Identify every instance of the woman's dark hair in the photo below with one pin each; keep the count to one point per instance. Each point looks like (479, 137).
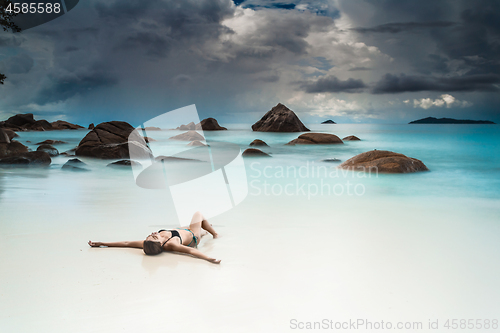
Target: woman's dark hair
(152, 248)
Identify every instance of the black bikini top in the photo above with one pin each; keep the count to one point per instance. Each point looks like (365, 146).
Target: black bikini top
(174, 233)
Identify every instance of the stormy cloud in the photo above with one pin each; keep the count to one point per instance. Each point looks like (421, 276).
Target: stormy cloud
(333, 84)
(391, 84)
(394, 28)
(121, 59)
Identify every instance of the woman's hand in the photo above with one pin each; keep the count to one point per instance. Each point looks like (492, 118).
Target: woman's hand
(95, 244)
(214, 261)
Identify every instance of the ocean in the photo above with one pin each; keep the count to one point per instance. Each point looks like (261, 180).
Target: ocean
(309, 242)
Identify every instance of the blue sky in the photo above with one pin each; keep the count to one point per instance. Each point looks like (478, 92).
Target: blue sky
(387, 61)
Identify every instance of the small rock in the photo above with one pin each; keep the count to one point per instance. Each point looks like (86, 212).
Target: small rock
(91, 126)
(351, 138)
(188, 136)
(316, 138)
(50, 142)
(4, 138)
(174, 159)
(74, 164)
(53, 152)
(210, 124)
(196, 143)
(10, 133)
(331, 160)
(32, 158)
(253, 152)
(258, 142)
(189, 127)
(124, 163)
(329, 121)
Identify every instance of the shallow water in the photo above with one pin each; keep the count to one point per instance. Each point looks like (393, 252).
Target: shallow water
(395, 248)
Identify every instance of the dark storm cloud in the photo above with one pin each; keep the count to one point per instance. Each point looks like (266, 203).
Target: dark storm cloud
(154, 27)
(71, 49)
(10, 41)
(333, 84)
(475, 41)
(391, 84)
(18, 64)
(401, 27)
(355, 69)
(271, 5)
(70, 85)
(154, 45)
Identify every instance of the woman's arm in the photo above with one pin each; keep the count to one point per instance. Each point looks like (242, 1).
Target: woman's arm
(194, 252)
(134, 244)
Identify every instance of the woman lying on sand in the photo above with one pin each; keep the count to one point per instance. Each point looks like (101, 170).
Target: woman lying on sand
(178, 240)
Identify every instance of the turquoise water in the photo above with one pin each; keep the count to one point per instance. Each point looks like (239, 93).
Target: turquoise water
(409, 247)
(464, 160)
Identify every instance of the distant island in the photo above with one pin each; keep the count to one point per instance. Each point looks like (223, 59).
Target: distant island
(432, 120)
(329, 121)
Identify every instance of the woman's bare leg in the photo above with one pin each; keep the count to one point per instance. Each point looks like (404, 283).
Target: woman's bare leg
(198, 222)
(208, 227)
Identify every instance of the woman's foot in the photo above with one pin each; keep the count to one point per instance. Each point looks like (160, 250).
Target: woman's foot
(214, 261)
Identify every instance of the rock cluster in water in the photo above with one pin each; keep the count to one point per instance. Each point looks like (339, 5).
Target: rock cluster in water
(26, 122)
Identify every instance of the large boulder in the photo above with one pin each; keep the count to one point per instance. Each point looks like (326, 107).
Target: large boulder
(12, 148)
(39, 125)
(110, 140)
(254, 152)
(188, 136)
(280, 119)
(61, 125)
(209, 124)
(53, 152)
(19, 120)
(316, 138)
(40, 158)
(383, 161)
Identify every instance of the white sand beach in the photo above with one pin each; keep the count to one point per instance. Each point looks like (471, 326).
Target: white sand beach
(283, 259)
